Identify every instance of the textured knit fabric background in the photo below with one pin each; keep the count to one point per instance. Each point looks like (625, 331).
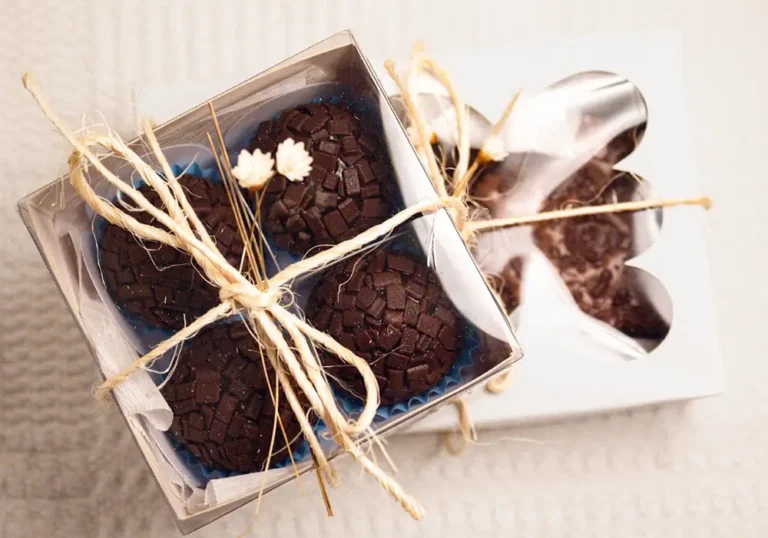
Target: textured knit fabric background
(68, 467)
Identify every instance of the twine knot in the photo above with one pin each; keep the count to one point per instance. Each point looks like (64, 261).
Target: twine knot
(249, 295)
(459, 212)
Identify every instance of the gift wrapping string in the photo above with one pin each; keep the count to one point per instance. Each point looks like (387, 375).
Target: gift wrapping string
(457, 187)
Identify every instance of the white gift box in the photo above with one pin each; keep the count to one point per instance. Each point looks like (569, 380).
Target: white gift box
(569, 371)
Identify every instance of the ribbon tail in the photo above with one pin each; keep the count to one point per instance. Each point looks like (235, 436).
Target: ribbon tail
(289, 359)
(368, 413)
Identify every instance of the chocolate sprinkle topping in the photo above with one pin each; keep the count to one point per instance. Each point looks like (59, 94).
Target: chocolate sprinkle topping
(589, 252)
(159, 284)
(346, 191)
(410, 340)
(222, 408)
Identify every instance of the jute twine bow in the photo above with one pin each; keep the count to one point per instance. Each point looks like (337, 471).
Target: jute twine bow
(456, 186)
(261, 303)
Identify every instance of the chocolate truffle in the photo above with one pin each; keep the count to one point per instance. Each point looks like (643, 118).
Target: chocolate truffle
(348, 188)
(156, 282)
(390, 310)
(222, 408)
(588, 252)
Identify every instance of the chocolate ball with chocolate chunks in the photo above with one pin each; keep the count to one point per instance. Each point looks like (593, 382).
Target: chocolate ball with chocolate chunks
(222, 408)
(348, 188)
(588, 252)
(158, 283)
(390, 310)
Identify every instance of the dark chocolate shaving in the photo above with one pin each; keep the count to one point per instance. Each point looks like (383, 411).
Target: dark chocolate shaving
(588, 252)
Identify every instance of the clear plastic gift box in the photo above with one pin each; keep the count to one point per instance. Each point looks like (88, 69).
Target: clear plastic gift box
(66, 232)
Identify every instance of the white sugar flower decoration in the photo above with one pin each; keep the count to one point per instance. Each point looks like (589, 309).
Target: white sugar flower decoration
(253, 170)
(494, 150)
(293, 161)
